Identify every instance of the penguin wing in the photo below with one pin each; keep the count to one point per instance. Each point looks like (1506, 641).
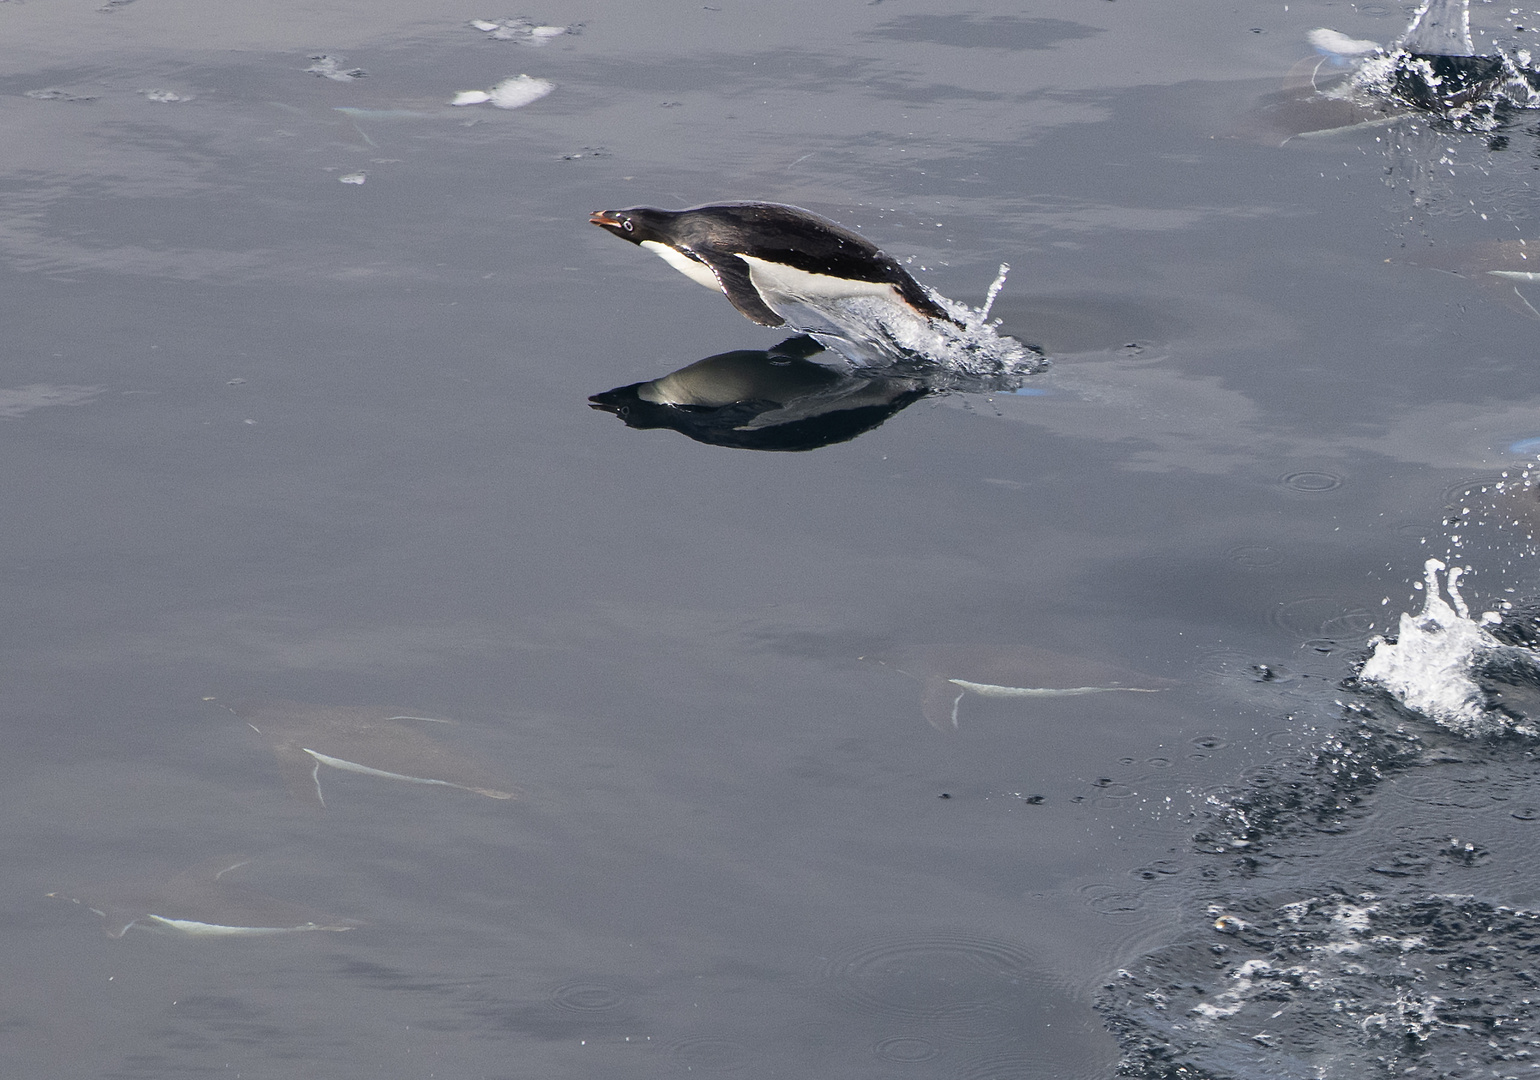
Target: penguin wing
(732, 273)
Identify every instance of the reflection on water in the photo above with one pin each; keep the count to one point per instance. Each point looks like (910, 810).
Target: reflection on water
(779, 399)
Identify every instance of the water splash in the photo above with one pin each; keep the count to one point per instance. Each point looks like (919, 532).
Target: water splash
(968, 354)
(1435, 664)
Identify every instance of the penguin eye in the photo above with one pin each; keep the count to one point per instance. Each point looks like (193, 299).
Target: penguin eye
(626, 225)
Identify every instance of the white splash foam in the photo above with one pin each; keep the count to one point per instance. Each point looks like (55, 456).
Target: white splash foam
(873, 332)
(1430, 667)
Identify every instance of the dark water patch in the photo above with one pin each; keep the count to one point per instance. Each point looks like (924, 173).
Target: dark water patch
(985, 32)
(1319, 794)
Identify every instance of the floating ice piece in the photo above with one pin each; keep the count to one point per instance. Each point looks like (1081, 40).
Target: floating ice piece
(353, 178)
(523, 30)
(521, 90)
(370, 742)
(330, 67)
(1339, 44)
(198, 903)
(509, 94)
(165, 97)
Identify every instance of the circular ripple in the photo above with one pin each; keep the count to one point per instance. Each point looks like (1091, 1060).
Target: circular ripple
(1004, 1065)
(1312, 481)
(586, 996)
(1321, 617)
(906, 1048)
(1474, 795)
(1475, 487)
(707, 1053)
(947, 977)
(1255, 556)
(1109, 900)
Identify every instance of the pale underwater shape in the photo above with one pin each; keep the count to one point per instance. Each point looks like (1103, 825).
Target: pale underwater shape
(198, 903)
(364, 741)
(948, 673)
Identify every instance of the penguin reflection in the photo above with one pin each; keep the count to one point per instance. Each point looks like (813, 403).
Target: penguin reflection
(755, 399)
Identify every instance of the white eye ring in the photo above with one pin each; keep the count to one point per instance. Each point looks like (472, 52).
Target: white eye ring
(626, 225)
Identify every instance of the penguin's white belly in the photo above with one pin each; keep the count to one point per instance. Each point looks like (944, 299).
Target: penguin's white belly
(779, 282)
(697, 272)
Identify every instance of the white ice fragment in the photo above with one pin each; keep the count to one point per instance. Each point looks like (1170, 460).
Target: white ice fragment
(1339, 44)
(165, 97)
(539, 35)
(519, 90)
(352, 178)
(508, 94)
(484, 26)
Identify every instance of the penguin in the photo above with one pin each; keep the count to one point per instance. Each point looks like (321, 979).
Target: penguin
(778, 264)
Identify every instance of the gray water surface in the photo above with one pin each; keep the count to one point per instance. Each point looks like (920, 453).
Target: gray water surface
(279, 444)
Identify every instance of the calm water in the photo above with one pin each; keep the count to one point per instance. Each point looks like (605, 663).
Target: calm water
(290, 451)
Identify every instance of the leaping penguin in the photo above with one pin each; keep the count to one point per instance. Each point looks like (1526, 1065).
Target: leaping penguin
(776, 263)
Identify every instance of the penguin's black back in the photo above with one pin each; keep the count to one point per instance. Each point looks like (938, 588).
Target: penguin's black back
(794, 237)
(785, 234)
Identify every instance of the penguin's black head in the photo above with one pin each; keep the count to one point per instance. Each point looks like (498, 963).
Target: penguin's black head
(636, 224)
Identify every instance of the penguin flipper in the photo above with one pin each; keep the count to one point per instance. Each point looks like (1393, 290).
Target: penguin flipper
(732, 274)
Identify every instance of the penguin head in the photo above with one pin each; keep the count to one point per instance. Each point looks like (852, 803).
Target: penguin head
(637, 224)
